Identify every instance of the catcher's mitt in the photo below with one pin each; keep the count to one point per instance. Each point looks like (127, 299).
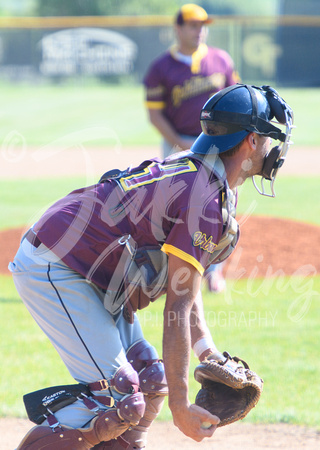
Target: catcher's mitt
(228, 389)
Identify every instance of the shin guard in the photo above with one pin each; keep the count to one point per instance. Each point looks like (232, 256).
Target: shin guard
(144, 359)
(106, 426)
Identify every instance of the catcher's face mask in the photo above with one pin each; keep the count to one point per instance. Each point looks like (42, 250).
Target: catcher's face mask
(283, 114)
(234, 112)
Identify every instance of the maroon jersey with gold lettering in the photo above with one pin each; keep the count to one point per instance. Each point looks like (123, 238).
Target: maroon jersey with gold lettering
(180, 90)
(175, 203)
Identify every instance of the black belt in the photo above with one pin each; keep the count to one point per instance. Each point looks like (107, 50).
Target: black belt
(33, 238)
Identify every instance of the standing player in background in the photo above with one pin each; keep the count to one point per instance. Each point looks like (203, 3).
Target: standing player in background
(179, 82)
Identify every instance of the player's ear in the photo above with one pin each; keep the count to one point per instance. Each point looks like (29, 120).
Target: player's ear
(252, 140)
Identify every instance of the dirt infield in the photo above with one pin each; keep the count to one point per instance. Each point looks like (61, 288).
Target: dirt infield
(257, 255)
(78, 160)
(164, 436)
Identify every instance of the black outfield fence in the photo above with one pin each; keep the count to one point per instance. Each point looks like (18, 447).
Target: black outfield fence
(282, 50)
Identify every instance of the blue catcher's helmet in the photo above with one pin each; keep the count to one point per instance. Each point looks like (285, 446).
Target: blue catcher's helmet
(234, 112)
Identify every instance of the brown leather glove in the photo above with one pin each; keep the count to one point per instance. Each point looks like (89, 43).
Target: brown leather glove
(229, 390)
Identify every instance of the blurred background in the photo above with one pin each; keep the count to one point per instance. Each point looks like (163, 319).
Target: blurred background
(274, 41)
(72, 107)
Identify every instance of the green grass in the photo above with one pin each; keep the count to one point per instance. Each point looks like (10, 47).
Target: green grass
(42, 114)
(273, 324)
(296, 198)
(22, 202)
(27, 357)
(305, 104)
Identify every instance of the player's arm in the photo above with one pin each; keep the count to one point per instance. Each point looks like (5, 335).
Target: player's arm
(232, 75)
(183, 285)
(201, 340)
(161, 123)
(155, 103)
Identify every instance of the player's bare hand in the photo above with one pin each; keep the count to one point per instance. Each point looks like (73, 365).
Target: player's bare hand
(195, 422)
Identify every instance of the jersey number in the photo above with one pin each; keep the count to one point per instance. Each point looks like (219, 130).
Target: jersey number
(156, 172)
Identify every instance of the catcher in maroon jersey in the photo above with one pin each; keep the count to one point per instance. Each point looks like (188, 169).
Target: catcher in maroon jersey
(105, 251)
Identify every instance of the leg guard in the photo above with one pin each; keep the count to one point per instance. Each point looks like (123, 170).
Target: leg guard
(145, 361)
(106, 426)
(137, 436)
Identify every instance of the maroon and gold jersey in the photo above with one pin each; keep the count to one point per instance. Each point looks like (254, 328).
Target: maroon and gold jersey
(175, 203)
(180, 90)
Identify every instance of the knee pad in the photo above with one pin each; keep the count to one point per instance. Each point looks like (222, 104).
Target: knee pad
(128, 410)
(113, 423)
(136, 437)
(145, 360)
(125, 380)
(131, 407)
(140, 354)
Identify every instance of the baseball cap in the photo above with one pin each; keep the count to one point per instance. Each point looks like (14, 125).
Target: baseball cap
(191, 12)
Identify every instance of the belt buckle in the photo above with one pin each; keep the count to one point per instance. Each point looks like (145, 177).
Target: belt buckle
(103, 384)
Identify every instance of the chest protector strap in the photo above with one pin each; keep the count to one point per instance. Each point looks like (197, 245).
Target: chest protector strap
(230, 234)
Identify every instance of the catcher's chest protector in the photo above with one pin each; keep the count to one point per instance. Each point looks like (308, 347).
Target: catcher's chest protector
(145, 277)
(226, 245)
(230, 235)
